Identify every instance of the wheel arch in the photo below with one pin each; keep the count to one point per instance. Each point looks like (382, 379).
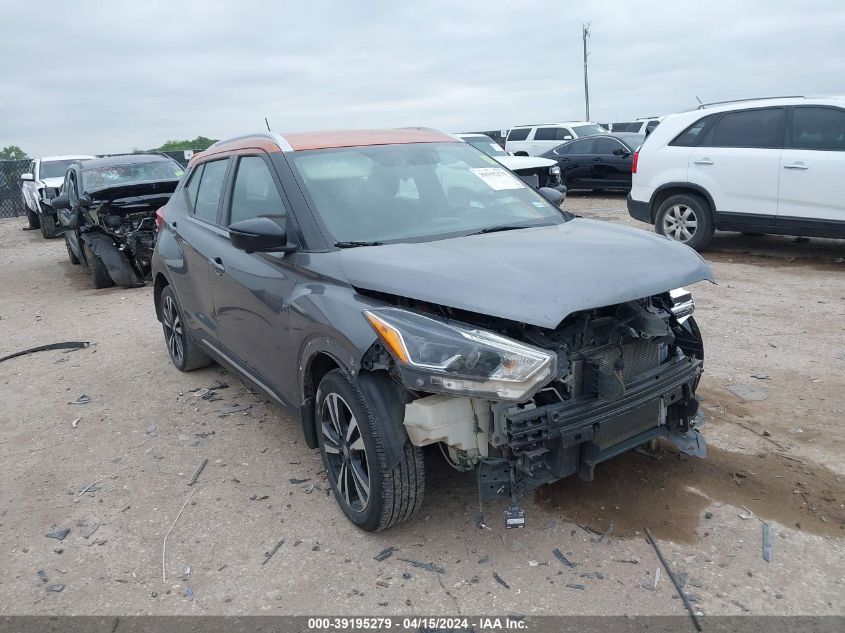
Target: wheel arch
(673, 188)
(159, 284)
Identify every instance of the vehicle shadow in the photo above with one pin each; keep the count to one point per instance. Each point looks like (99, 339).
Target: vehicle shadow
(773, 247)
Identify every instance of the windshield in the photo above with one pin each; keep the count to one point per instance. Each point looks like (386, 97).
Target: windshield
(486, 145)
(416, 192)
(589, 129)
(54, 168)
(113, 175)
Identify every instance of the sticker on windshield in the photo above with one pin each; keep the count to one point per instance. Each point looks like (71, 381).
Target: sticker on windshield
(487, 159)
(497, 178)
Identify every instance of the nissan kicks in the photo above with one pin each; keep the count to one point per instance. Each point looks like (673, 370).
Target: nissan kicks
(394, 289)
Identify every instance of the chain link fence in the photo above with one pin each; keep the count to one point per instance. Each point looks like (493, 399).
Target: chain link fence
(11, 198)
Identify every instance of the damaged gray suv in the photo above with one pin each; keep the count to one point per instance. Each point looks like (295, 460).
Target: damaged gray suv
(398, 288)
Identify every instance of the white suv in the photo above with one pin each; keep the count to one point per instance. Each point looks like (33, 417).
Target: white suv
(40, 185)
(758, 166)
(533, 140)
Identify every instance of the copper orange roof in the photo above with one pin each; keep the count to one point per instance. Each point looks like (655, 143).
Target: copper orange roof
(353, 138)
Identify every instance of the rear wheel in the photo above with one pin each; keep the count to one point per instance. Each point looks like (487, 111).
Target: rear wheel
(371, 494)
(685, 218)
(184, 353)
(32, 218)
(48, 227)
(70, 254)
(100, 277)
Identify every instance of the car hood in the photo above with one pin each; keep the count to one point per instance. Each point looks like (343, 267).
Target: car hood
(537, 276)
(54, 183)
(135, 189)
(524, 162)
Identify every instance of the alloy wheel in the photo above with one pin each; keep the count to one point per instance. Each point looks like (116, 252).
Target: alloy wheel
(346, 454)
(680, 222)
(173, 334)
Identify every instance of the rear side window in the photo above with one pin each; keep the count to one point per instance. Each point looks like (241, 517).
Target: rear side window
(750, 128)
(519, 134)
(606, 146)
(193, 185)
(693, 134)
(818, 128)
(651, 126)
(255, 191)
(208, 193)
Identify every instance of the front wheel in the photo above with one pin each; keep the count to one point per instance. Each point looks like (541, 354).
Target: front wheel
(685, 218)
(48, 227)
(70, 254)
(100, 277)
(371, 494)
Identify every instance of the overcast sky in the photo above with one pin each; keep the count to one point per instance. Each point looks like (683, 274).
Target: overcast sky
(99, 77)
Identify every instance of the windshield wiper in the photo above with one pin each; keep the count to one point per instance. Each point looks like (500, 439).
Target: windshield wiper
(506, 227)
(354, 244)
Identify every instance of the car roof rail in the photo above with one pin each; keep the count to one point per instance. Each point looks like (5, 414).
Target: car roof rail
(704, 106)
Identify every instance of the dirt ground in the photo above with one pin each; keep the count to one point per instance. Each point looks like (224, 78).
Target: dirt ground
(774, 322)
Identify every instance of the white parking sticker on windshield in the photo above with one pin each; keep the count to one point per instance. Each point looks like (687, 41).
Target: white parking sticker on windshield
(497, 178)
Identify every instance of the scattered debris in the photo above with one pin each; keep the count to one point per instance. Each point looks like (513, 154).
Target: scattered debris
(748, 514)
(632, 561)
(740, 605)
(56, 587)
(748, 393)
(257, 498)
(42, 575)
(767, 542)
(88, 488)
(59, 534)
(484, 560)
(387, 552)
(269, 555)
(760, 376)
(74, 424)
(406, 575)
(678, 588)
(234, 408)
(426, 566)
(593, 574)
(607, 533)
(83, 399)
(708, 515)
(164, 542)
(69, 345)
(198, 472)
(573, 585)
(87, 531)
(563, 559)
(501, 581)
(296, 482)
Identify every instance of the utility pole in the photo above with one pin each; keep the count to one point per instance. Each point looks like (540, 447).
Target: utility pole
(585, 34)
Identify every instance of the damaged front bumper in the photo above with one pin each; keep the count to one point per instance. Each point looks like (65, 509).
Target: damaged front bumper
(554, 441)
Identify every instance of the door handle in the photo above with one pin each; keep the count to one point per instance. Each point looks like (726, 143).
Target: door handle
(217, 265)
(703, 161)
(796, 166)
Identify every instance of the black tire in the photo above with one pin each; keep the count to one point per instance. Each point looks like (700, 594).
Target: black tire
(685, 218)
(100, 277)
(48, 227)
(184, 352)
(33, 219)
(393, 495)
(70, 254)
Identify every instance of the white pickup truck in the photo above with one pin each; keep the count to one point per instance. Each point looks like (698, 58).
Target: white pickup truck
(42, 183)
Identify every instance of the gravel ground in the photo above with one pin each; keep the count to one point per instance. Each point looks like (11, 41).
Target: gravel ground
(775, 322)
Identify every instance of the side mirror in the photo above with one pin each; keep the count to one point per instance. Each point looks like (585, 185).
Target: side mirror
(260, 235)
(555, 196)
(28, 177)
(60, 202)
(621, 152)
(520, 153)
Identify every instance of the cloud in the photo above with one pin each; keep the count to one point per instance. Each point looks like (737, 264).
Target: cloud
(93, 77)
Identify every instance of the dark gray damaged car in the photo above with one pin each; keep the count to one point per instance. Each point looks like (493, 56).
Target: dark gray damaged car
(396, 288)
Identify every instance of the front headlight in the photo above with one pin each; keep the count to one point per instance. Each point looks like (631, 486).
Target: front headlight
(449, 357)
